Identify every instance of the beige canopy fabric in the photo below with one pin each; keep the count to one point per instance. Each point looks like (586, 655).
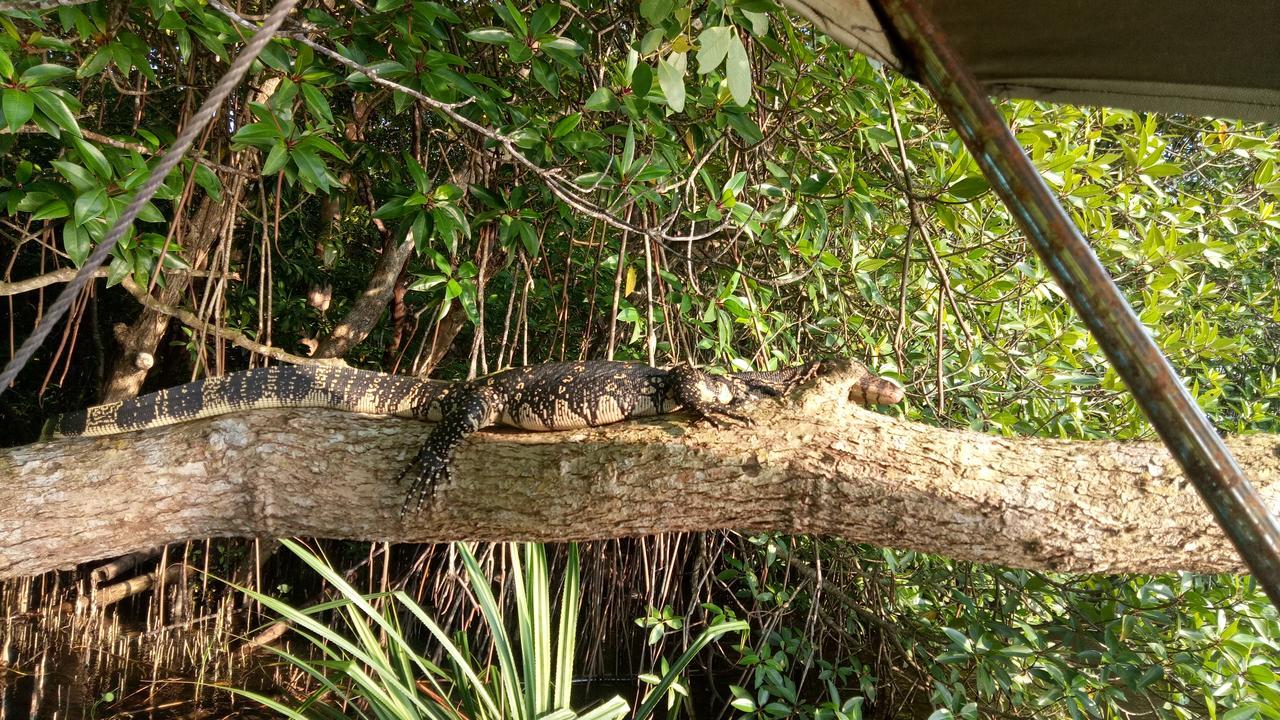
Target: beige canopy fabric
(1184, 56)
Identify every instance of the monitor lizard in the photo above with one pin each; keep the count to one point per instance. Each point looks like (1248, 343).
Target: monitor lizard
(551, 396)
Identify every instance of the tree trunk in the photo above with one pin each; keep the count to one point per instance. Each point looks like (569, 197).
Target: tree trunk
(816, 464)
(368, 308)
(138, 341)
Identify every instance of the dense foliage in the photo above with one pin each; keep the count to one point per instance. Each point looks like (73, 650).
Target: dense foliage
(710, 181)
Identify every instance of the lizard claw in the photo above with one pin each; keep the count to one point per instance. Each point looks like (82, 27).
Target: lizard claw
(722, 422)
(427, 472)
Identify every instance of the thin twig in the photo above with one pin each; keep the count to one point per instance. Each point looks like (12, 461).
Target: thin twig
(237, 338)
(18, 287)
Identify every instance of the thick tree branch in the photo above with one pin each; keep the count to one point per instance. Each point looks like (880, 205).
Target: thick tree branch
(368, 308)
(816, 465)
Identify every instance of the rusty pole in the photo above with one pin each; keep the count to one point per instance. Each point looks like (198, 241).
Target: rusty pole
(1167, 404)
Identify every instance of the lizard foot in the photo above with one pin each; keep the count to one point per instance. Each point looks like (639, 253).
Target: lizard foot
(722, 421)
(427, 472)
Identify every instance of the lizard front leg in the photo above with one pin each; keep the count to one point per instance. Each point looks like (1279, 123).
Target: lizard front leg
(472, 410)
(708, 397)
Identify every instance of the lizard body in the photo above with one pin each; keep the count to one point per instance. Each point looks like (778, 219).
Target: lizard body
(552, 396)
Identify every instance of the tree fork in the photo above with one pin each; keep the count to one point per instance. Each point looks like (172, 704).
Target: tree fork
(813, 464)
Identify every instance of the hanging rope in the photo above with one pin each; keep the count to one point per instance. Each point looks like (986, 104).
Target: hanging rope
(203, 116)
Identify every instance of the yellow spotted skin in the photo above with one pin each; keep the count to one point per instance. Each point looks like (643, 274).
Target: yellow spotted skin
(553, 396)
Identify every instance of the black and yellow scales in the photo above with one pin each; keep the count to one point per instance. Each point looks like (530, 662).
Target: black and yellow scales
(553, 396)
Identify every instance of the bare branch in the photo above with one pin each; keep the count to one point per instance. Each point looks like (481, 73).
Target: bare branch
(66, 274)
(236, 337)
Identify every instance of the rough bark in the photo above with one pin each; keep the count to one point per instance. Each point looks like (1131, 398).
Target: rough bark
(817, 464)
(368, 308)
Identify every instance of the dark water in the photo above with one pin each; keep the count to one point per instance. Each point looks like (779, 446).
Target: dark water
(64, 662)
(61, 684)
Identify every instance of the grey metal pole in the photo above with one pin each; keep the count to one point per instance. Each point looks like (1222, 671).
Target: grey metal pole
(1176, 417)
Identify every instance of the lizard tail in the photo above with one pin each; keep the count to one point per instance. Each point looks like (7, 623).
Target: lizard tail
(338, 388)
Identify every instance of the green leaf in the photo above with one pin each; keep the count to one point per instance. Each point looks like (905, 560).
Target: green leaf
(651, 41)
(1242, 712)
(94, 64)
(733, 186)
(276, 159)
(526, 138)
(651, 172)
(389, 69)
(594, 180)
(969, 187)
(510, 14)
(44, 74)
(171, 20)
(746, 128)
(655, 11)
(672, 82)
(185, 46)
(208, 181)
(393, 208)
(55, 109)
(518, 52)
(323, 144)
(420, 179)
(274, 56)
(546, 76)
(1153, 673)
(150, 213)
(658, 693)
(491, 35)
(759, 22)
(563, 44)
(90, 205)
(316, 102)
(628, 151)
(544, 18)
(447, 193)
(714, 42)
(52, 210)
(75, 241)
(18, 108)
(738, 70)
(47, 125)
(260, 135)
(601, 100)
(80, 179)
(311, 167)
(529, 239)
(93, 158)
(816, 182)
(6, 65)
(958, 638)
(117, 270)
(641, 79)
(566, 125)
